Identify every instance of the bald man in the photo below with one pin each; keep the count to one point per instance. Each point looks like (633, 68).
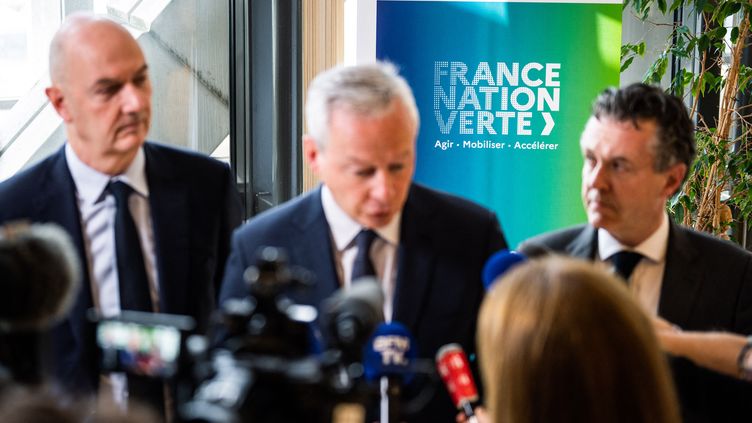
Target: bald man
(151, 223)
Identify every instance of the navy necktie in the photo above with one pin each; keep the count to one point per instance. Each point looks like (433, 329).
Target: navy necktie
(134, 287)
(134, 284)
(363, 266)
(625, 262)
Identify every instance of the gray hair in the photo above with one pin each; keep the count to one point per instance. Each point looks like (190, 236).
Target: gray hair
(363, 89)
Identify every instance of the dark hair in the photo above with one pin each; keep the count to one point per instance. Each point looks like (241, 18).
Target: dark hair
(636, 102)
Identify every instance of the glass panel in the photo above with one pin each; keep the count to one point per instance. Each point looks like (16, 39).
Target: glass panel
(186, 44)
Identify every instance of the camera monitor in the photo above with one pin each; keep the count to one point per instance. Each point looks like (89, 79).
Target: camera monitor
(143, 344)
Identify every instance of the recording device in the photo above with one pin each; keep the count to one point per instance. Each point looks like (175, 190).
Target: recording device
(40, 275)
(264, 360)
(454, 369)
(143, 344)
(39, 278)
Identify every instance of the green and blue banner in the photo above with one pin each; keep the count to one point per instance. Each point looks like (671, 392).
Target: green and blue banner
(504, 90)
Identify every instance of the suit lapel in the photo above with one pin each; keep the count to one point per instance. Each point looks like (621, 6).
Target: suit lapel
(170, 211)
(313, 247)
(415, 262)
(57, 203)
(585, 244)
(680, 286)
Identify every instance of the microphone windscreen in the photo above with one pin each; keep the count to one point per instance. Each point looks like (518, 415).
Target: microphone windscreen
(454, 369)
(498, 264)
(350, 315)
(389, 352)
(40, 275)
(533, 251)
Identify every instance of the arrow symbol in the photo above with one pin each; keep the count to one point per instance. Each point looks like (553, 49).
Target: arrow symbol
(549, 124)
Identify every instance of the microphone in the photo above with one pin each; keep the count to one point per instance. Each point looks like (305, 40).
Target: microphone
(455, 372)
(500, 263)
(532, 250)
(389, 354)
(40, 275)
(40, 279)
(350, 316)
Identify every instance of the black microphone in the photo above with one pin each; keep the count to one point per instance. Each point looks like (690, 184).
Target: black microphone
(40, 275)
(40, 279)
(350, 316)
(389, 354)
(533, 251)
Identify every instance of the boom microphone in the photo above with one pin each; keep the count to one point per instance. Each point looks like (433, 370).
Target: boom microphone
(455, 372)
(40, 275)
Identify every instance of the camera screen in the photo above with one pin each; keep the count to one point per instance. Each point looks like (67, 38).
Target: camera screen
(142, 349)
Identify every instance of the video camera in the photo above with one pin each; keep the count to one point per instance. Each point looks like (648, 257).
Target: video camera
(265, 360)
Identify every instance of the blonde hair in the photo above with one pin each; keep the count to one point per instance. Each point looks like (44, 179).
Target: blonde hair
(561, 340)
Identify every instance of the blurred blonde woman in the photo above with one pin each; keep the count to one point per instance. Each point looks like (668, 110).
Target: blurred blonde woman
(562, 341)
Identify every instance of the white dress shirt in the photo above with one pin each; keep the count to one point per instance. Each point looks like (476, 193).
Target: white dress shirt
(97, 208)
(343, 230)
(647, 277)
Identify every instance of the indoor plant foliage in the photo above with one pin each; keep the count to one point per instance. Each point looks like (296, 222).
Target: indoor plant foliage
(717, 194)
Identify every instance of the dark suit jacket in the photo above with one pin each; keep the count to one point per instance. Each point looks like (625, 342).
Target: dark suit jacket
(444, 243)
(707, 285)
(194, 209)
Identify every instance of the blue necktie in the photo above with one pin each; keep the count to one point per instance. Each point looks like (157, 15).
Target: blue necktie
(363, 266)
(625, 262)
(134, 285)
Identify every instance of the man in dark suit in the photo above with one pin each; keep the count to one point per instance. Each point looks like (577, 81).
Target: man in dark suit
(637, 148)
(165, 244)
(426, 248)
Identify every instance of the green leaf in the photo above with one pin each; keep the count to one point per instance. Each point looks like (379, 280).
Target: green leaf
(662, 6)
(734, 34)
(700, 5)
(641, 48)
(733, 8)
(676, 4)
(626, 64)
(703, 42)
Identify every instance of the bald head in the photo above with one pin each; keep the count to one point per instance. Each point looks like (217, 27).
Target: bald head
(101, 90)
(73, 35)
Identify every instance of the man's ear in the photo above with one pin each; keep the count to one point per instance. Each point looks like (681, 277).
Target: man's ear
(675, 177)
(311, 153)
(57, 100)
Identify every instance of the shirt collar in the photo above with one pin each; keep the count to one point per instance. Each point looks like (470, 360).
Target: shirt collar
(344, 228)
(91, 183)
(653, 247)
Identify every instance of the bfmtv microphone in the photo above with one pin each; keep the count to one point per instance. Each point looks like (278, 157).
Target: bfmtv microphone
(455, 372)
(388, 355)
